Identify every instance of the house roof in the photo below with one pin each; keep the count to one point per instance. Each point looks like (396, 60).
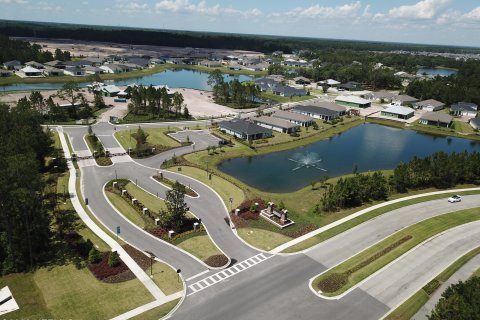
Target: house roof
(318, 110)
(291, 116)
(437, 117)
(351, 85)
(287, 89)
(111, 88)
(74, 69)
(429, 103)
(330, 82)
(276, 122)
(475, 122)
(301, 79)
(405, 98)
(29, 69)
(52, 69)
(352, 99)
(95, 69)
(12, 63)
(382, 95)
(464, 106)
(54, 63)
(243, 126)
(34, 64)
(404, 111)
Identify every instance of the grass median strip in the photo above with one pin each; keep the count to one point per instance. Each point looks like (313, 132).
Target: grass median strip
(411, 306)
(363, 218)
(349, 273)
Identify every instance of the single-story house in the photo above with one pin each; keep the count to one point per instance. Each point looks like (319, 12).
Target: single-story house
(31, 72)
(351, 86)
(293, 117)
(436, 119)
(256, 66)
(466, 109)
(210, 64)
(139, 62)
(330, 83)
(52, 71)
(276, 124)
(113, 68)
(398, 112)
(301, 80)
(95, 61)
(74, 71)
(295, 63)
(429, 105)
(277, 77)
(404, 100)
(56, 64)
(34, 64)
(323, 110)
(110, 90)
(12, 65)
(4, 73)
(155, 61)
(78, 63)
(475, 123)
(244, 129)
(352, 101)
(286, 91)
(381, 95)
(93, 70)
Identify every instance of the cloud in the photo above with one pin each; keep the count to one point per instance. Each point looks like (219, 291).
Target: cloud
(14, 1)
(349, 10)
(473, 15)
(423, 10)
(131, 6)
(187, 7)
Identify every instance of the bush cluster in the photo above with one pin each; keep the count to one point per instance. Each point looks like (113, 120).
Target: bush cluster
(102, 270)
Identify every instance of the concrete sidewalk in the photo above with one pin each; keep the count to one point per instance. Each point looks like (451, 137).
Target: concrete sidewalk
(360, 213)
(148, 306)
(132, 265)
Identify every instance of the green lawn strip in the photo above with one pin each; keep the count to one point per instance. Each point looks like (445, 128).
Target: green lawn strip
(197, 243)
(170, 183)
(418, 233)
(224, 188)
(411, 306)
(365, 217)
(101, 160)
(261, 238)
(166, 278)
(71, 293)
(158, 312)
(156, 137)
(476, 273)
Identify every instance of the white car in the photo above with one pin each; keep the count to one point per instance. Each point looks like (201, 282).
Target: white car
(455, 198)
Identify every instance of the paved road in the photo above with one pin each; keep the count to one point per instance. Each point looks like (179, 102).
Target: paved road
(359, 238)
(397, 282)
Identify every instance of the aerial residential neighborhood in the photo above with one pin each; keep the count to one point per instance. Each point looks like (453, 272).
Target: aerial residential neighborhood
(187, 159)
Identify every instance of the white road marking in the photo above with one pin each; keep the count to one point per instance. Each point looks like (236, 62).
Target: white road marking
(227, 273)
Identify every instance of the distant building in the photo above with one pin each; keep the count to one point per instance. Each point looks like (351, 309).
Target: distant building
(31, 72)
(210, 64)
(4, 73)
(114, 68)
(330, 83)
(35, 65)
(475, 123)
(74, 71)
(466, 109)
(52, 71)
(352, 101)
(436, 119)
(243, 129)
(323, 110)
(286, 91)
(276, 124)
(293, 117)
(404, 100)
(429, 105)
(56, 64)
(351, 86)
(93, 70)
(110, 90)
(301, 80)
(12, 65)
(398, 112)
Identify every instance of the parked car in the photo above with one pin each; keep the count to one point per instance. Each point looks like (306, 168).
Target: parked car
(455, 198)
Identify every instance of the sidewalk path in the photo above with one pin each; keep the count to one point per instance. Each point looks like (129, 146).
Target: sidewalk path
(132, 265)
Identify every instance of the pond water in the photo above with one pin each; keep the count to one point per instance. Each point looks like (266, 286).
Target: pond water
(178, 78)
(433, 72)
(368, 146)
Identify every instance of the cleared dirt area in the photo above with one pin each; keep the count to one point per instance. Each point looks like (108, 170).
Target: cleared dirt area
(80, 48)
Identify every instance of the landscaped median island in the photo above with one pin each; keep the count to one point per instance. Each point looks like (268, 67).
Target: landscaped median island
(349, 273)
(410, 307)
(142, 143)
(165, 219)
(98, 152)
(170, 183)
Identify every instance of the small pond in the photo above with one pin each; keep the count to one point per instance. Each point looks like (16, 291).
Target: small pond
(433, 72)
(368, 146)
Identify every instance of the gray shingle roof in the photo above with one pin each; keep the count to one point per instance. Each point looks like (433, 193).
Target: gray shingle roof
(317, 110)
(243, 126)
(464, 106)
(429, 102)
(437, 117)
(291, 116)
(276, 122)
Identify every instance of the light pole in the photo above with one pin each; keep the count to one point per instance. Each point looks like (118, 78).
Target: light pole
(231, 201)
(152, 257)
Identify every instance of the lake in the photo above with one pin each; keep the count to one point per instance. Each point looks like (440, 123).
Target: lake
(433, 72)
(177, 78)
(368, 146)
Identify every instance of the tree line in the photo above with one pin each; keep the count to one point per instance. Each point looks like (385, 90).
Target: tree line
(157, 102)
(22, 51)
(233, 93)
(440, 170)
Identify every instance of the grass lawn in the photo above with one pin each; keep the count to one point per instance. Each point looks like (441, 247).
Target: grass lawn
(127, 210)
(411, 306)
(463, 127)
(262, 239)
(158, 312)
(476, 273)
(419, 233)
(200, 246)
(370, 215)
(156, 136)
(153, 203)
(166, 278)
(101, 160)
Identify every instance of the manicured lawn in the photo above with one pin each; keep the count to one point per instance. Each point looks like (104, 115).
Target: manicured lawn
(463, 127)
(363, 218)
(419, 233)
(126, 209)
(410, 307)
(477, 273)
(158, 312)
(156, 136)
(166, 278)
(200, 246)
(225, 189)
(262, 239)
(101, 160)
(153, 203)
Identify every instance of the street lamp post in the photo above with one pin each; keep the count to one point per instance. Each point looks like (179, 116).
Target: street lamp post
(231, 201)
(152, 257)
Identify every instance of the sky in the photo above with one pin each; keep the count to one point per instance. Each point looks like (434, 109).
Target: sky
(449, 22)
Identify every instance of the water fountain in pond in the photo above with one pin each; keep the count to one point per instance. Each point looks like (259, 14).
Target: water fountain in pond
(306, 160)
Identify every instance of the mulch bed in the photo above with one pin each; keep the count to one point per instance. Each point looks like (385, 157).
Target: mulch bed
(216, 261)
(102, 270)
